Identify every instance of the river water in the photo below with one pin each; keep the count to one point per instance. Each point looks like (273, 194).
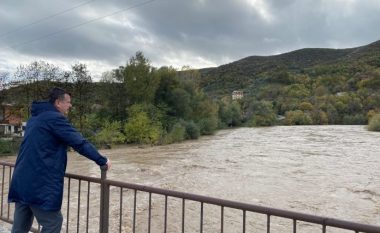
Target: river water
(331, 171)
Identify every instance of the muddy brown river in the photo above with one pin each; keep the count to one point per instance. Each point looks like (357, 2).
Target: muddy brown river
(331, 171)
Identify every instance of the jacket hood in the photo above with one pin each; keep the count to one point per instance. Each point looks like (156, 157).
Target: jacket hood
(39, 107)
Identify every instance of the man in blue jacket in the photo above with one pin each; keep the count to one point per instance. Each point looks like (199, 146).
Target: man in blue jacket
(38, 177)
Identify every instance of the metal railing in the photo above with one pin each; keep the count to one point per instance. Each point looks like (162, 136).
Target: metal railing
(99, 204)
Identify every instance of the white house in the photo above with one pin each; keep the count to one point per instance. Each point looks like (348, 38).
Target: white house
(7, 129)
(237, 95)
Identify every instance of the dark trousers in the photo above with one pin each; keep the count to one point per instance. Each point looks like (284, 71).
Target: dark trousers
(50, 221)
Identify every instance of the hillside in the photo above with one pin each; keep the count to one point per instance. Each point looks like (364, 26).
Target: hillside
(251, 71)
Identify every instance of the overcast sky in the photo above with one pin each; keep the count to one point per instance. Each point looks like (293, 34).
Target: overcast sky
(197, 33)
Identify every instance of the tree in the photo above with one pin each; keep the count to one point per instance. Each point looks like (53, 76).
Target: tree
(140, 128)
(306, 106)
(372, 81)
(374, 123)
(297, 118)
(204, 112)
(192, 130)
(110, 134)
(189, 74)
(140, 79)
(319, 117)
(230, 113)
(83, 93)
(4, 83)
(332, 113)
(260, 113)
(282, 77)
(113, 96)
(35, 80)
(296, 91)
(180, 103)
(270, 91)
(168, 82)
(176, 134)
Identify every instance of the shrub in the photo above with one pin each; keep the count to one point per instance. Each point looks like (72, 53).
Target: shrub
(177, 134)
(357, 119)
(230, 114)
(260, 120)
(192, 130)
(306, 106)
(141, 129)
(370, 114)
(320, 117)
(110, 134)
(260, 113)
(208, 125)
(10, 146)
(5, 147)
(297, 117)
(374, 123)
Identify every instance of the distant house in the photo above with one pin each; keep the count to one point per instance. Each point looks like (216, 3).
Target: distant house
(10, 121)
(341, 94)
(237, 95)
(7, 129)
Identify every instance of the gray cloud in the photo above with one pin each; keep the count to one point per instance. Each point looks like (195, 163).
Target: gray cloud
(199, 33)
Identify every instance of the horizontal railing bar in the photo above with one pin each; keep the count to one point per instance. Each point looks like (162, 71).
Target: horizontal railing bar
(6, 220)
(7, 164)
(74, 176)
(332, 222)
(85, 178)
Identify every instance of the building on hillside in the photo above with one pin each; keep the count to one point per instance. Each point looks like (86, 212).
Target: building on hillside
(237, 95)
(341, 94)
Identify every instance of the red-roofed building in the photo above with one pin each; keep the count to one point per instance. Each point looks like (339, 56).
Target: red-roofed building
(10, 120)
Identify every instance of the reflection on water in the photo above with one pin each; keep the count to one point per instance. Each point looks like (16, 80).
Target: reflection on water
(324, 170)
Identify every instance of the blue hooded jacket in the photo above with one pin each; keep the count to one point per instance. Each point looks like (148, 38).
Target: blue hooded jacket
(38, 175)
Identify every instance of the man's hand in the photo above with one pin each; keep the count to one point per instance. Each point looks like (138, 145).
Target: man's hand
(106, 166)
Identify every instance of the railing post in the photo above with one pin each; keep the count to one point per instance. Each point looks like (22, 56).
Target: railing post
(104, 202)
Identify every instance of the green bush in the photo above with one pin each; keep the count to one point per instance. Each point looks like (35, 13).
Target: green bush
(192, 130)
(230, 114)
(320, 117)
(208, 125)
(5, 147)
(10, 146)
(177, 134)
(110, 134)
(357, 119)
(259, 120)
(260, 113)
(374, 123)
(140, 128)
(297, 117)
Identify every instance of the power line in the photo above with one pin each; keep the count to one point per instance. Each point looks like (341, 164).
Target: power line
(77, 25)
(44, 19)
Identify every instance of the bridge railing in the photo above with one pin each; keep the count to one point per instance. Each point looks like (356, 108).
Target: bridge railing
(99, 204)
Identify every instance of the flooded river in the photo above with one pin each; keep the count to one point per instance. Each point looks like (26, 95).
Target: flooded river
(332, 171)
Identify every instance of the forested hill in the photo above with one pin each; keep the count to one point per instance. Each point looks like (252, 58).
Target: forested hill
(138, 103)
(251, 72)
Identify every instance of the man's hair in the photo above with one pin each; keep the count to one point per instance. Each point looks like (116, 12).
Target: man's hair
(57, 93)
